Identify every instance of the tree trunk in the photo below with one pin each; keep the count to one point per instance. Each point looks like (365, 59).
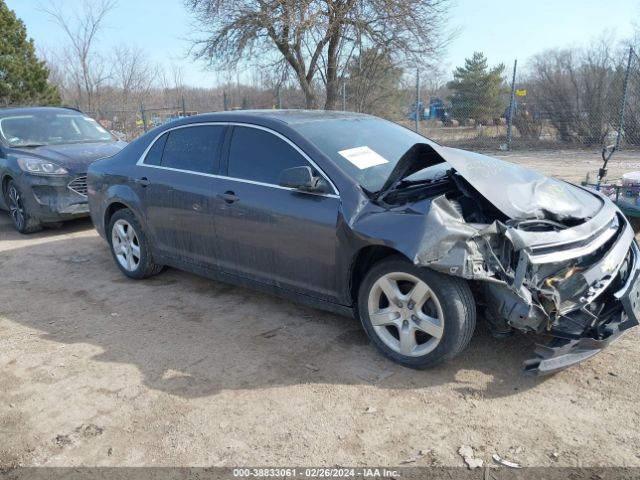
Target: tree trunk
(332, 72)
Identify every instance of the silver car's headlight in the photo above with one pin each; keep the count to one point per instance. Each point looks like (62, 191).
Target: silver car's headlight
(40, 167)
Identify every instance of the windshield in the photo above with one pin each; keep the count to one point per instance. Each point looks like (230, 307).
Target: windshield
(366, 149)
(36, 129)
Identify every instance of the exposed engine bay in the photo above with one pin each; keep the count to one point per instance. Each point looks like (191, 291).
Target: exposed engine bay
(542, 255)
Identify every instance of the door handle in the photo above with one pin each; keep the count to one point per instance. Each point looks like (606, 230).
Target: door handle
(143, 182)
(229, 197)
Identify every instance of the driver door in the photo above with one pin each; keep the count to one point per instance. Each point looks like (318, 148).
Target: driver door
(269, 233)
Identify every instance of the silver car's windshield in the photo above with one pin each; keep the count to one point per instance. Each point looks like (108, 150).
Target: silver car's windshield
(366, 149)
(36, 129)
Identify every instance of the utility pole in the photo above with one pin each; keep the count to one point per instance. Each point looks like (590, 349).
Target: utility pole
(624, 98)
(344, 95)
(511, 105)
(417, 109)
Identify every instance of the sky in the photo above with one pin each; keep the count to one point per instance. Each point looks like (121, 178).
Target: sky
(502, 29)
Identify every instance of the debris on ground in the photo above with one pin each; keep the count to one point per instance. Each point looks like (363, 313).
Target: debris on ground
(271, 333)
(408, 460)
(501, 461)
(370, 410)
(313, 368)
(466, 452)
(63, 440)
(89, 430)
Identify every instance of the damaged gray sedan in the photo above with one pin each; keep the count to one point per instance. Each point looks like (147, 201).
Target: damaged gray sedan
(360, 216)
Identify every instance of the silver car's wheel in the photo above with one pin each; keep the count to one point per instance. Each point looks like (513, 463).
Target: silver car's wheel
(406, 314)
(126, 245)
(415, 316)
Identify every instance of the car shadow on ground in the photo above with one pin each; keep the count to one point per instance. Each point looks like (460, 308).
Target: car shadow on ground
(9, 233)
(193, 337)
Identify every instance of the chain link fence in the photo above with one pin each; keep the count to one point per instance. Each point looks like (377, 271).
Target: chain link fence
(563, 104)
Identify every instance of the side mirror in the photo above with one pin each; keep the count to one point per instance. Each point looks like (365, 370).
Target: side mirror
(302, 178)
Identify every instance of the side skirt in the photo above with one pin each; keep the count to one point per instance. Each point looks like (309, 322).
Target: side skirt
(342, 310)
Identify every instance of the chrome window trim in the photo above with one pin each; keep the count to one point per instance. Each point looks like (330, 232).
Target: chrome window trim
(141, 163)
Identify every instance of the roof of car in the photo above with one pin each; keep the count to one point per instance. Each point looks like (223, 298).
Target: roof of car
(285, 116)
(5, 112)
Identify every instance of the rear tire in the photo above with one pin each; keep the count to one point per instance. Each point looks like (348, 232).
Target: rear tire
(22, 220)
(415, 316)
(130, 247)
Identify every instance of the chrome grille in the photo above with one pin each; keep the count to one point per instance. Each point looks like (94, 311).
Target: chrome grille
(79, 185)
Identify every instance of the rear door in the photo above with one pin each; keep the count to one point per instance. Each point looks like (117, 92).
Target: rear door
(177, 180)
(270, 233)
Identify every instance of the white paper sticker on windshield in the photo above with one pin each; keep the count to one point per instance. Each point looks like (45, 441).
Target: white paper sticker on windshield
(363, 157)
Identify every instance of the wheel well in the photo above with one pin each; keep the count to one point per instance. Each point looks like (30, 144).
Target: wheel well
(5, 181)
(111, 209)
(365, 259)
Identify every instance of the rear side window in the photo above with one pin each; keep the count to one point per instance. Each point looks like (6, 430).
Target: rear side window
(154, 155)
(261, 156)
(192, 148)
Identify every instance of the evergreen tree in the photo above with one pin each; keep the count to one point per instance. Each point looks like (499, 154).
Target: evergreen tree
(478, 92)
(23, 78)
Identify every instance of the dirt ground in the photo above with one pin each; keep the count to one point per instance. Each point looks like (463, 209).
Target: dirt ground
(96, 369)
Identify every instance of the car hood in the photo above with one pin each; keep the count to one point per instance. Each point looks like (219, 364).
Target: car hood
(75, 157)
(518, 192)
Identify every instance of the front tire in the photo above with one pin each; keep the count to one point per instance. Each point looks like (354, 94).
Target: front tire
(22, 219)
(415, 316)
(130, 247)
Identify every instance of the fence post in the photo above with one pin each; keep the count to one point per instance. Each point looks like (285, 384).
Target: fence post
(344, 95)
(184, 110)
(625, 90)
(279, 97)
(512, 105)
(144, 118)
(417, 110)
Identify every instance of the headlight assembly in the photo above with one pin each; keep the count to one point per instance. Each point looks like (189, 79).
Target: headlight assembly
(40, 167)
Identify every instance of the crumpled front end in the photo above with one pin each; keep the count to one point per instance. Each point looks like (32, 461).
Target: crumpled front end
(571, 273)
(578, 285)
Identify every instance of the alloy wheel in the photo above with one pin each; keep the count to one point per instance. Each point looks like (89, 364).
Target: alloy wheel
(406, 314)
(126, 245)
(16, 207)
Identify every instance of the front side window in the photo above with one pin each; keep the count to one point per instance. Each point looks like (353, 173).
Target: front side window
(261, 156)
(195, 149)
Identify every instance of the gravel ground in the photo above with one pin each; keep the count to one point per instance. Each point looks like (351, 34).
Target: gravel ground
(97, 369)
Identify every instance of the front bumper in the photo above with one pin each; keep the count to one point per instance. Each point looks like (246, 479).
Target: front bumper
(623, 312)
(52, 199)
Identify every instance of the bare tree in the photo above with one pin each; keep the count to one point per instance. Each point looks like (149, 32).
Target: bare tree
(86, 69)
(373, 82)
(317, 37)
(132, 74)
(574, 88)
